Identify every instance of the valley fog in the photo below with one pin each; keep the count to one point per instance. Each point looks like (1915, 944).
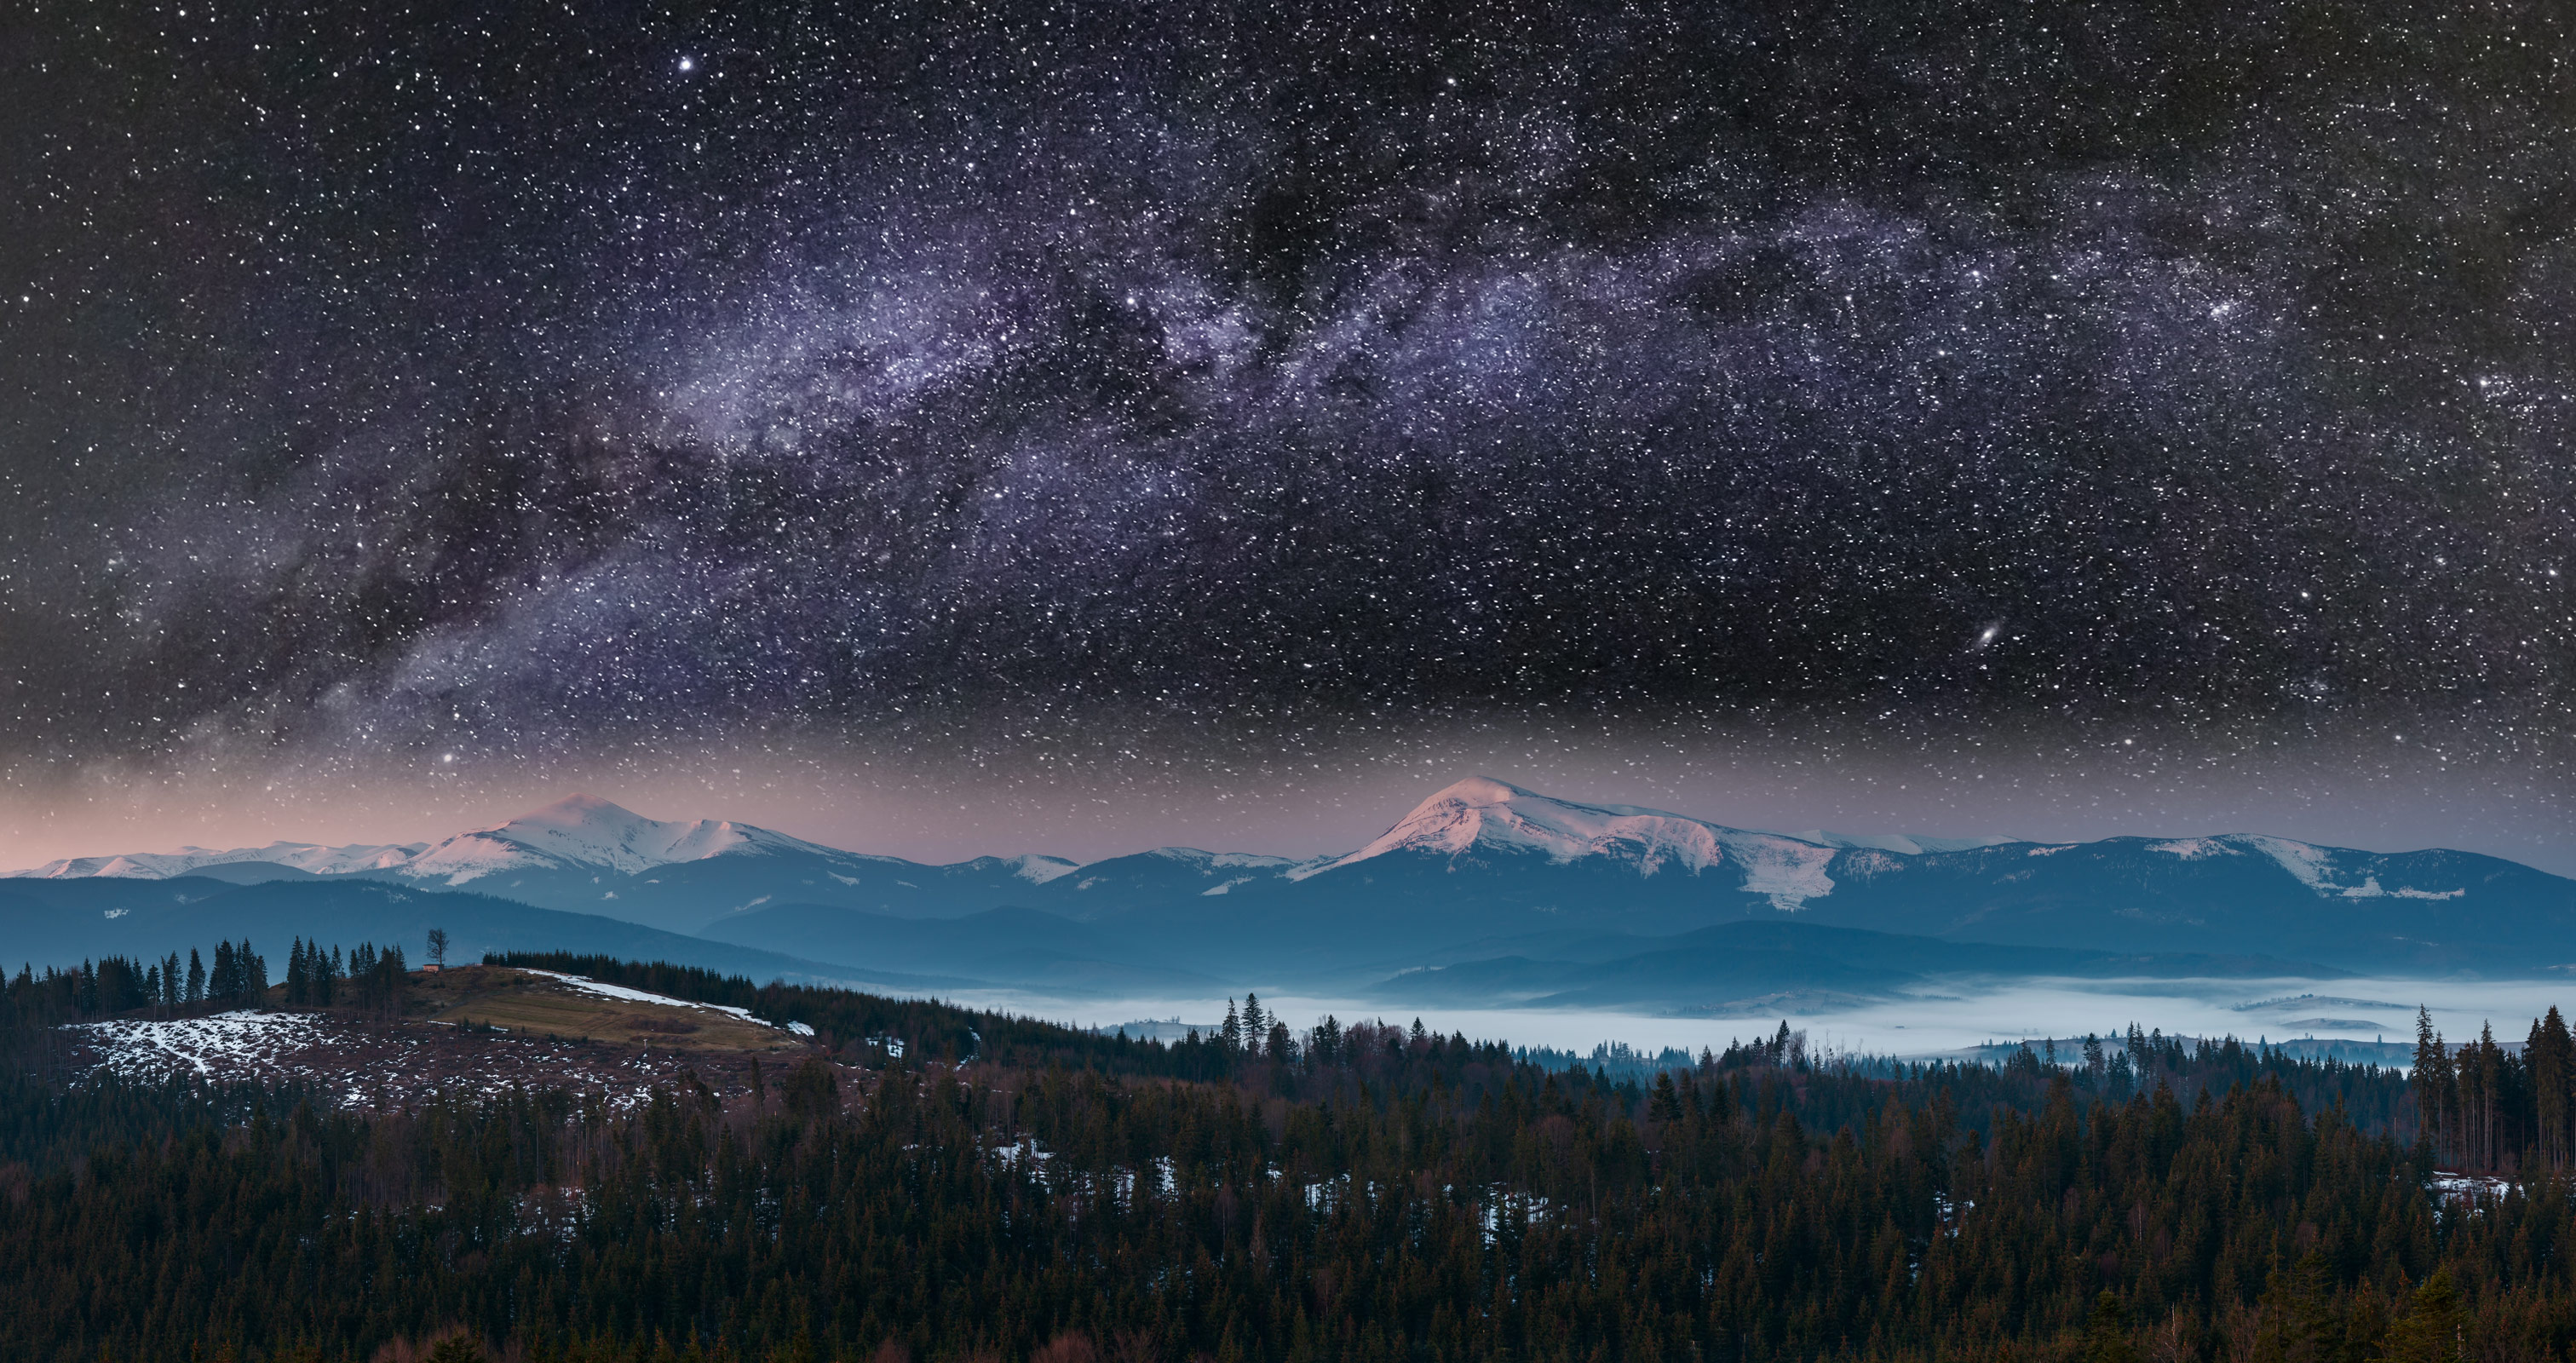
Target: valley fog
(1937, 1021)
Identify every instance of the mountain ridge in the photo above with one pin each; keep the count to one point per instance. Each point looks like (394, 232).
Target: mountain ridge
(1479, 860)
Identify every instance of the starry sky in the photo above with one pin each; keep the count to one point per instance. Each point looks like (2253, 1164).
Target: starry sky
(959, 427)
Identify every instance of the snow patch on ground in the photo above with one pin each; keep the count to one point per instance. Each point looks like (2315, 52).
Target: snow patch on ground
(620, 992)
(383, 1066)
(2470, 1189)
(208, 1047)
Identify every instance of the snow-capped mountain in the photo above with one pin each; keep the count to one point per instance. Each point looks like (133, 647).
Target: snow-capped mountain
(2332, 872)
(590, 855)
(1035, 869)
(578, 832)
(1483, 815)
(1487, 866)
(1908, 844)
(1482, 818)
(313, 858)
(584, 832)
(1480, 866)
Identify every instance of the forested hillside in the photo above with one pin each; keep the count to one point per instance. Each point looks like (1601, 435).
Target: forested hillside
(1001, 1189)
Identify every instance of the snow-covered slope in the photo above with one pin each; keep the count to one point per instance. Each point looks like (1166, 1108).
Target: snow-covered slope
(1904, 843)
(1033, 868)
(579, 832)
(303, 856)
(586, 832)
(1223, 861)
(1480, 814)
(2335, 872)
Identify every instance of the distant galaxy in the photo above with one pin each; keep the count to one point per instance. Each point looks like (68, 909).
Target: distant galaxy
(2166, 408)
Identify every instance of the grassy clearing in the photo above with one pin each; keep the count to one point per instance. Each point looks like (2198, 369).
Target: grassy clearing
(523, 1001)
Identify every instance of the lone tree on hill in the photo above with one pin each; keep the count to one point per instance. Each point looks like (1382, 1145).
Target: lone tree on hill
(438, 948)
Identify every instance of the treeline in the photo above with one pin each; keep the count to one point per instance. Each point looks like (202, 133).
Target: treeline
(367, 978)
(2493, 1109)
(119, 984)
(1413, 1205)
(858, 1028)
(876, 1030)
(1264, 1052)
(941, 1184)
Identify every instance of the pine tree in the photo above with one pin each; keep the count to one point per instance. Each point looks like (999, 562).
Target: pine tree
(196, 978)
(1232, 1031)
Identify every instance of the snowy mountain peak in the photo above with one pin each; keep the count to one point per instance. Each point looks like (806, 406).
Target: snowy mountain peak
(1483, 814)
(302, 856)
(1038, 870)
(586, 831)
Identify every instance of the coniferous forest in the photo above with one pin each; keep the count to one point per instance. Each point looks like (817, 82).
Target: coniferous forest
(932, 1183)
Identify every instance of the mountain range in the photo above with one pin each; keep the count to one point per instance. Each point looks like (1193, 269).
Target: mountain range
(1485, 892)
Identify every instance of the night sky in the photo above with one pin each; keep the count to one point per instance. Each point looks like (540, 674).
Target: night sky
(956, 427)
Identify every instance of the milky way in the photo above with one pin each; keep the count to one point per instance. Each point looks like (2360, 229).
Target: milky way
(455, 383)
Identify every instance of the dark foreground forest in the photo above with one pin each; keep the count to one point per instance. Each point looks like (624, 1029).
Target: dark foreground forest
(1007, 1190)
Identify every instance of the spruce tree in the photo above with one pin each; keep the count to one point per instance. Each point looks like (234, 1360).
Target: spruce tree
(2106, 1332)
(2431, 1078)
(2433, 1329)
(2548, 1056)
